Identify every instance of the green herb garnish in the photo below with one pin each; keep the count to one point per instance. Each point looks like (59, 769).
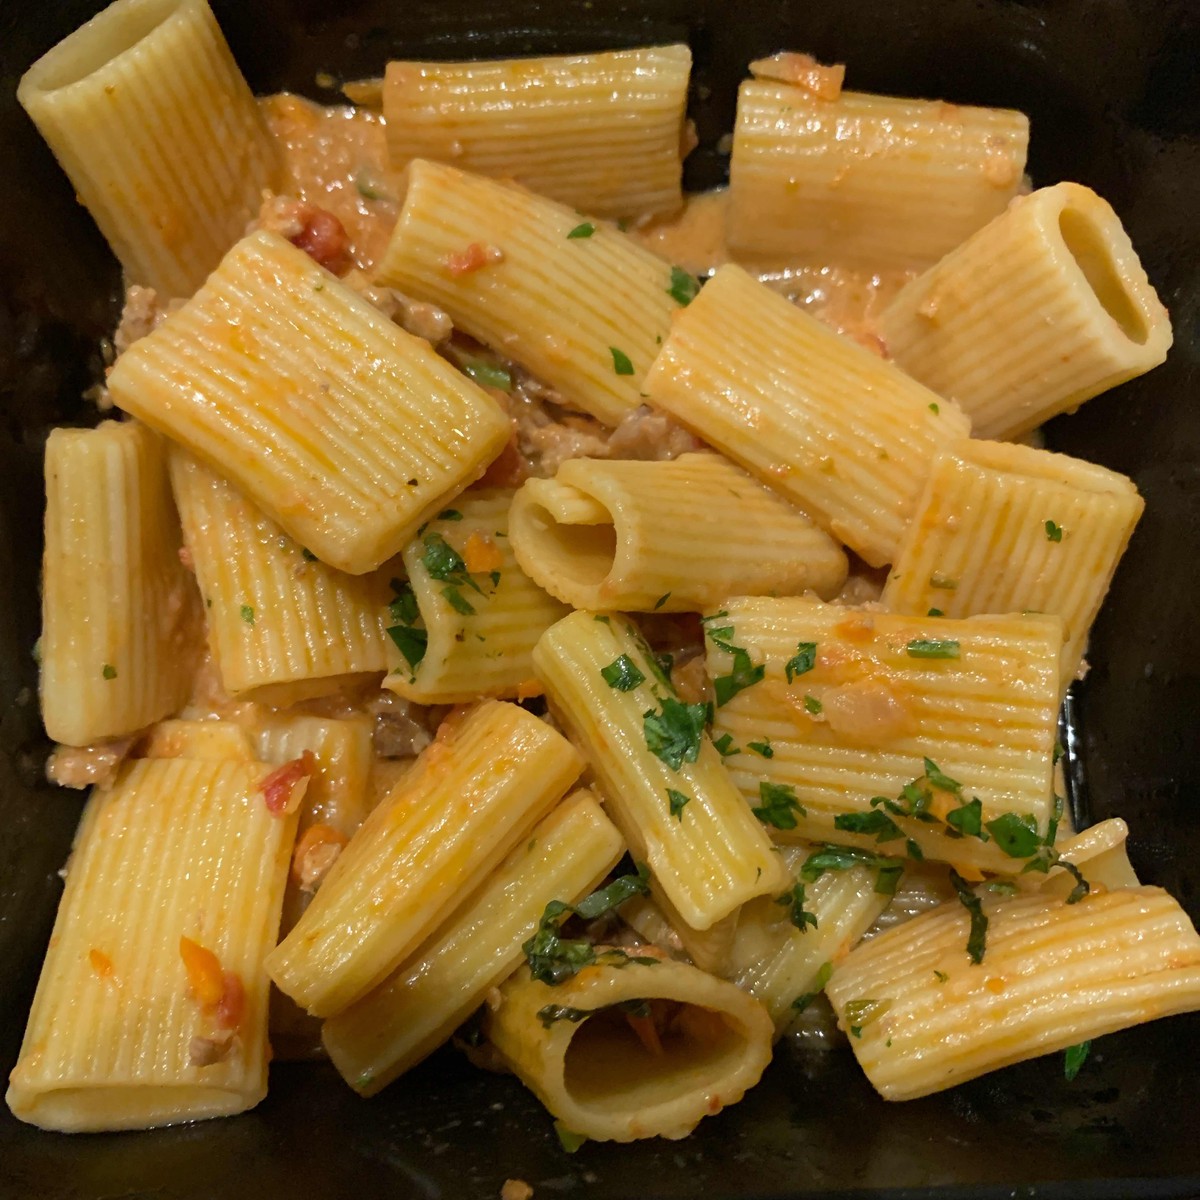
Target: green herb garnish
(744, 674)
(622, 673)
(802, 661)
(977, 940)
(585, 230)
(621, 363)
(794, 902)
(932, 648)
(724, 746)
(1054, 534)
(248, 613)
(684, 287)
(673, 733)
(813, 705)
(764, 749)
(823, 976)
(779, 805)
(488, 374)
(109, 671)
(677, 800)
(1074, 1057)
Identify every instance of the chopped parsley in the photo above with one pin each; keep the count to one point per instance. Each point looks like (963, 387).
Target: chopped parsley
(935, 612)
(684, 287)
(677, 800)
(1053, 532)
(551, 1013)
(977, 939)
(967, 819)
(584, 230)
(779, 805)
(932, 648)
(109, 671)
(661, 600)
(410, 640)
(568, 1139)
(940, 976)
(622, 673)
(673, 732)
(823, 976)
(1016, 835)
(933, 408)
(1074, 1057)
(621, 363)
(744, 674)
(844, 858)
(860, 1013)
(446, 565)
(802, 661)
(307, 554)
(764, 749)
(813, 706)
(248, 613)
(554, 959)
(488, 374)
(724, 746)
(449, 514)
(794, 902)
(875, 823)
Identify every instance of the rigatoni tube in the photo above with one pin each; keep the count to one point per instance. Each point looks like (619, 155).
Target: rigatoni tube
(281, 623)
(674, 536)
(343, 428)
(148, 114)
(852, 703)
(585, 314)
(923, 1017)
(467, 620)
(1042, 309)
(412, 1012)
(152, 1004)
(120, 614)
(599, 132)
(657, 770)
(700, 1045)
(843, 434)
(469, 798)
(1006, 528)
(866, 179)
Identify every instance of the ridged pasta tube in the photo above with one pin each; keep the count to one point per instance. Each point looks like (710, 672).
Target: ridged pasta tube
(867, 179)
(125, 1032)
(148, 114)
(1043, 308)
(843, 434)
(852, 702)
(469, 799)
(281, 624)
(120, 615)
(1053, 975)
(478, 616)
(599, 132)
(579, 1054)
(1005, 528)
(340, 426)
(412, 1012)
(674, 804)
(585, 314)
(674, 536)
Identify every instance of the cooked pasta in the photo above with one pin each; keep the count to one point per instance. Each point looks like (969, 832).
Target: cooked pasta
(600, 132)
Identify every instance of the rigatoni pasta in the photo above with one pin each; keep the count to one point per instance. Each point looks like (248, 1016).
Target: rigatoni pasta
(577, 303)
(395, 1026)
(281, 623)
(152, 1005)
(866, 179)
(674, 536)
(343, 428)
(469, 799)
(1005, 528)
(1042, 309)
(602, 133)
(465, 622)
(148, 114)
(118, 608)
(843, 434)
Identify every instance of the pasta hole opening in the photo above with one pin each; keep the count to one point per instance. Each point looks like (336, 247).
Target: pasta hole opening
(581, 554)
(1094, 257)
(134, 1107)
(611, 1065)
(75, 58)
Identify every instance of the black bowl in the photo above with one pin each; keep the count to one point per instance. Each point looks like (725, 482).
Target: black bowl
(1113, 87)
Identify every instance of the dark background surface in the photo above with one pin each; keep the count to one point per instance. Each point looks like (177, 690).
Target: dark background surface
(1113, 88)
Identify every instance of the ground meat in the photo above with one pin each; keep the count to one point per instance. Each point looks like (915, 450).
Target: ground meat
(651, 436)
(140, 315)
(205, 1051)
(313, 229)
(416, 317)
(802, 71)
(85, 766)
(402, 728)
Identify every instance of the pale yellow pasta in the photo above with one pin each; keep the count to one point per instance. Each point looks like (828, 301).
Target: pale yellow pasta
(1005, 528)
(703, 846)
(979, 697)
(708, 948)
(469, 799)
(675, 536)
(595, 1074)
(1100, 853)
(208, 741)
(866, 179)
(281, 623)
(175, 849)
(340, 426)
(148, 114)
(412, 1012)
(843, 434)
(1043, 308)
(118, 609)
(478, 625)
(585, 315)
(783, 960)
(599, 132)
(1053, 975)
